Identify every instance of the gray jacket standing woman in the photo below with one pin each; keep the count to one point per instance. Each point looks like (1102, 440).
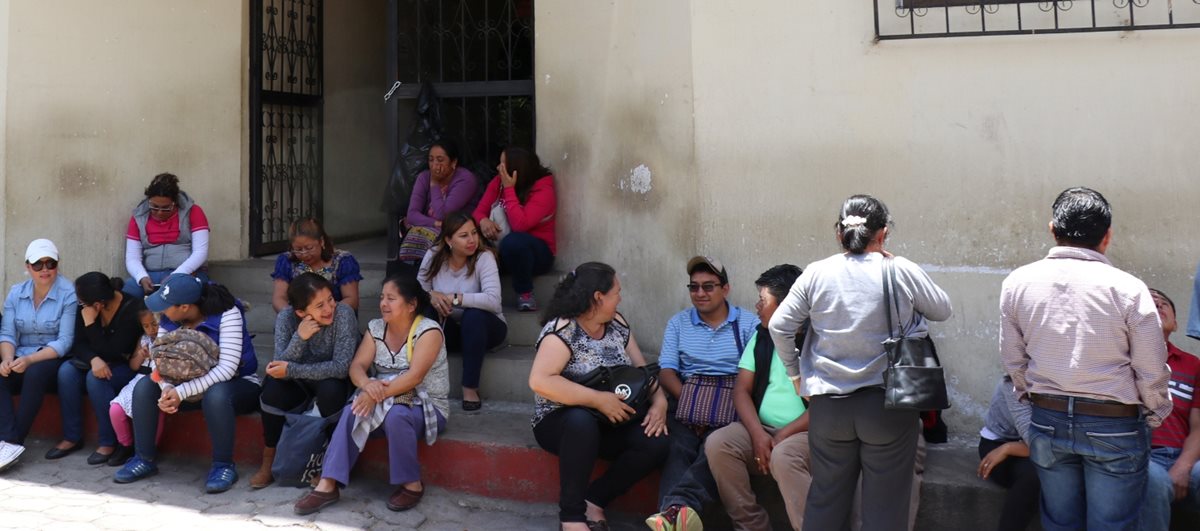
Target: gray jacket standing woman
(841, 365)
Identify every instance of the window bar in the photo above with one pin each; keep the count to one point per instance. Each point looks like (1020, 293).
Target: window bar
(441, 47)
(874, 3)
(1021, 23)
(462, 38)
(946, 9)
(1131, 12)
(1093, 13)
(912, 21)
(1056, 26)
(982, 16)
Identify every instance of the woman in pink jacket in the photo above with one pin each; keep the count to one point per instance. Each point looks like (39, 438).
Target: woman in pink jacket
(517, 210)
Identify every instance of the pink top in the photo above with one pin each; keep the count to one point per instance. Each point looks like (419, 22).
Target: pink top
(1072, 324)
(164, 232)
(535, 217)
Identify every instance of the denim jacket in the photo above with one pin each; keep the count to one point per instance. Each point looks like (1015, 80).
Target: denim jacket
(50, 325)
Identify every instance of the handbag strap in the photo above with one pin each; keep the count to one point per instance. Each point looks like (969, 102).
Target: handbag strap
(889, 296)
(737, 336)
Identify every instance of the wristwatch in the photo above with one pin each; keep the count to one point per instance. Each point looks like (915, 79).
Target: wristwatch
(456, 300)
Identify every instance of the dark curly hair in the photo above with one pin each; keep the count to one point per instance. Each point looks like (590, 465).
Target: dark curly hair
(302, 289)
(574, 294)
(164, 185)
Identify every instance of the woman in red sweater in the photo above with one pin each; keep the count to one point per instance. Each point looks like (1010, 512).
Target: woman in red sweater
(517, 210)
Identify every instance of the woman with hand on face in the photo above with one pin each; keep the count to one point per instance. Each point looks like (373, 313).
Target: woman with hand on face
(229, 389)
(582, 332)
(313, 252)
(313, 348)
(403, 381)
(107, 329)
(463, 282)
(524, 192)
(37, 330)
(439, 191)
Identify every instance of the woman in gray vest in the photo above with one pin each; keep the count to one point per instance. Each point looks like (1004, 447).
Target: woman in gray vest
(168, 233)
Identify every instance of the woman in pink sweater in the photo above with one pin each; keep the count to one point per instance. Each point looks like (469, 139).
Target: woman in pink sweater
(518, 210)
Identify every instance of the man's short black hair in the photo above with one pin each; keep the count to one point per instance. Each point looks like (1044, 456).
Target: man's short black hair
(1081, 218)
(778, 280)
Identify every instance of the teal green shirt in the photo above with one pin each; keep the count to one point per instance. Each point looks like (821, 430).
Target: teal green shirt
(780, 404)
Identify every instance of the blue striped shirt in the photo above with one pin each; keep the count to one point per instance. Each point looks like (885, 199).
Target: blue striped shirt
(690, 346)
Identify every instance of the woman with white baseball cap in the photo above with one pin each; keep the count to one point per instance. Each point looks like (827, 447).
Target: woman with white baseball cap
(36, 331)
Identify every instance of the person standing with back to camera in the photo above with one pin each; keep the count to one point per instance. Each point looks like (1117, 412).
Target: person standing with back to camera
(841, 367)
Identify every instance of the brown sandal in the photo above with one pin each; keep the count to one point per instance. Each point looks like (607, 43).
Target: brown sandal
(404, 499)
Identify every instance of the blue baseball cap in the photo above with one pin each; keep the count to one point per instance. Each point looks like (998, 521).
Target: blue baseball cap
(176, 289)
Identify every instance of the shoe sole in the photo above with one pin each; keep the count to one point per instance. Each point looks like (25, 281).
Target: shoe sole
(131, 480)
(209, 490)
(399, 509)
(684, 522)
(657, 524)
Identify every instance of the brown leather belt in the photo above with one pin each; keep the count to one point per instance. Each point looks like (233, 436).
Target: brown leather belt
(1085, 406)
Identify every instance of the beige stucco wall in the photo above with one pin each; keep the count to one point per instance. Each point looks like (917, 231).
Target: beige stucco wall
(101, 96)
(756, 123)
(356, 148)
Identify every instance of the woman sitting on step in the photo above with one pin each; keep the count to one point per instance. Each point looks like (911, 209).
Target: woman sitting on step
(517, 211)
(403, 382)
(313, 252)
(314, 344)
(107, 329)
(463, 282)
(582, 332)
(37, 331)
(231, 388)
(445, 188)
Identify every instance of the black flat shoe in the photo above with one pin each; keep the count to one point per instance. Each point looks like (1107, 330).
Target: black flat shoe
(98, 458)
(472, 405)
(59, 453)
(120, 455)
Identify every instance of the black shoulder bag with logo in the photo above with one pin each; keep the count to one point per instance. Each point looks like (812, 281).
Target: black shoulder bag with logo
(633, 385)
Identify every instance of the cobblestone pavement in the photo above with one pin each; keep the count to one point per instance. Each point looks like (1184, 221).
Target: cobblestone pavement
(68, 494)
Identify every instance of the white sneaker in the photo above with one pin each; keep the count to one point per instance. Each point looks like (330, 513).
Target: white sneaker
(9, 453)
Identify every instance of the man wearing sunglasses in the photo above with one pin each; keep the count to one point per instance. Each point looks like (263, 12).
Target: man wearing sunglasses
(704, 343)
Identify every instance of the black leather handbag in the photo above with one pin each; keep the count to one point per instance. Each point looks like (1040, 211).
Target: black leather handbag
(914, 378)
(634, 385)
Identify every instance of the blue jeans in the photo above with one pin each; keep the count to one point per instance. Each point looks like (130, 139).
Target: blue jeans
(1193, 324)
(156, 277)
(32, 385)
(221, 404)
(1092, 469)
(477, 331)
(71, 383)
(1160, 492)
(523, 255)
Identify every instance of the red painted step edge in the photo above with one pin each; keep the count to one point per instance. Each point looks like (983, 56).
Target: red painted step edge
(488, 469)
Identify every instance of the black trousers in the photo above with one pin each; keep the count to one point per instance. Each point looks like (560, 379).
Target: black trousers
(1019, 476)
(287, 395)
(578, 439)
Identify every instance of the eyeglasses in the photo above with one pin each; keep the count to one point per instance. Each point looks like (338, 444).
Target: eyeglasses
(708, 287)
(305, 250)
(43, 264)
(162, 209)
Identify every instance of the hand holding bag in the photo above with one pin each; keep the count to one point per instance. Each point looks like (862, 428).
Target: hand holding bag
(500, 218)
(914, 378)
(633, 385)
(301, 449)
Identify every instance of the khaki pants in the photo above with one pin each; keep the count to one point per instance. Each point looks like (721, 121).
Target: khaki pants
(731, 458)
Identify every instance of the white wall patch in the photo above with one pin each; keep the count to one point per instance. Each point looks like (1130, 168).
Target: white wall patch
(639, 179)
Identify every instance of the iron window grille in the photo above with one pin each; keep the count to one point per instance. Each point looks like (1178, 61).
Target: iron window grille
(919, 19)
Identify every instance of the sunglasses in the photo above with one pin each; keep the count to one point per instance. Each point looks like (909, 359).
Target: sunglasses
(44, 264)
(165, 209)
(708, 287)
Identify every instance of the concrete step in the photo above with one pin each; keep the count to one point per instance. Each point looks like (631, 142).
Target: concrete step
(492, 452)
(543, 287)
(250, 279)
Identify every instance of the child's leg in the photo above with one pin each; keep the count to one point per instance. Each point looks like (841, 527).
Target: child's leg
(121, 424)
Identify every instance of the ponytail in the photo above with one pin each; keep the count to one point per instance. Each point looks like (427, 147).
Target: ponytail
(573, 296)
(859, 221)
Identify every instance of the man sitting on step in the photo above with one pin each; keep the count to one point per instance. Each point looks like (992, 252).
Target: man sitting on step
(1174, 469)
(699, 361)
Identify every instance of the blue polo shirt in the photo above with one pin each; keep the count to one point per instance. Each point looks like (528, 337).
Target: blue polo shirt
(690, 346)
